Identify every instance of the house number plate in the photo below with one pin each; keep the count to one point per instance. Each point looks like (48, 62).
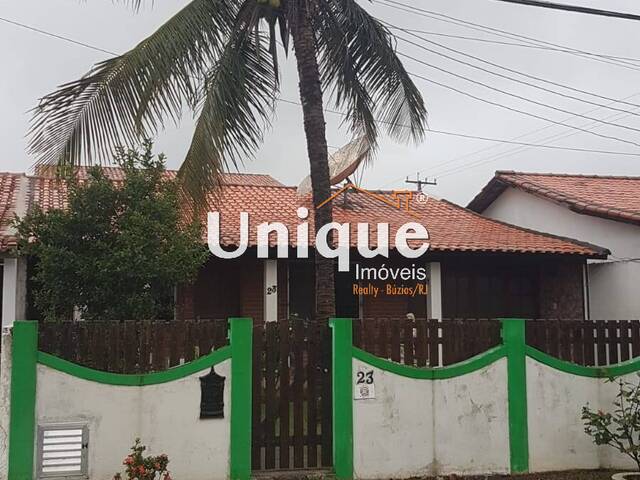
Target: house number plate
(365, 386)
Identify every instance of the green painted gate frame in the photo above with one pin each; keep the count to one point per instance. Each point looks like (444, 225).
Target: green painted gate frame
(25, 357)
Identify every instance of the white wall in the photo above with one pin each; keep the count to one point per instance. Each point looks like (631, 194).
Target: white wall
(14, 290)
(165, 417)
(612, 287)
(426, 427)
(556, 432)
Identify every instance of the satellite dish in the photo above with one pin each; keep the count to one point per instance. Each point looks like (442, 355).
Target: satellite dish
(342, 163)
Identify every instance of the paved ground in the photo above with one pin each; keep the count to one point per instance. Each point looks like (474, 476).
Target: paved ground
(566, 475)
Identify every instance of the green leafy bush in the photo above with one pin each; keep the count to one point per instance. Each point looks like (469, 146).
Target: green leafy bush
(119, 248)
(619, 429)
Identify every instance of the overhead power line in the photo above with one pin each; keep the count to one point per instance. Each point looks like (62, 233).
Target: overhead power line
(510, 44)
(489, 139)
(55, 35)
(573, 8)
(520, 97)
(498, 156)
(433, 169)
(502, 33)
(517, 72)
(439, 132)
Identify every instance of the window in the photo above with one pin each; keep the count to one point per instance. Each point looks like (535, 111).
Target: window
(490, 290)
(62, 450)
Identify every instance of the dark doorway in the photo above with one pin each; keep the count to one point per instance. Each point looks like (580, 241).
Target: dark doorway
(292, 410)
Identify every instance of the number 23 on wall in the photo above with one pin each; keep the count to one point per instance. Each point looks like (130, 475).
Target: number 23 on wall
(364, 377)
(364, 387)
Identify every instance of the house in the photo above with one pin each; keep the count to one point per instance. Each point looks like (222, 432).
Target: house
(474, 267)
(13, 202)
(603, 210)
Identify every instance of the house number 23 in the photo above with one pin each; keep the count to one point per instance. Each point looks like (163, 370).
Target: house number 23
(364, 378)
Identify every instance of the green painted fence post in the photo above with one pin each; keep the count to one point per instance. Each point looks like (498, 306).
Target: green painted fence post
(342, 362)
(22, 422)
(513, 336)
(241, 339)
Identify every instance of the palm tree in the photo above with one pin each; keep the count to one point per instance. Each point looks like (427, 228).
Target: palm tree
(219, 59)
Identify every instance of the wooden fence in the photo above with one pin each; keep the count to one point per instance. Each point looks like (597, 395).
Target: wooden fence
(591, 343)
(141, 347)
(425, 342)
(132, 346)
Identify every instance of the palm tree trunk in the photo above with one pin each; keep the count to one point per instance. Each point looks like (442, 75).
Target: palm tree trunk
(314, 128)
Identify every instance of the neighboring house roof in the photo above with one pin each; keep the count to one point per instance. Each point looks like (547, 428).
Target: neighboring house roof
(20, 192)
(451, 227)
(10, 184)
(117, 175)
(614, 198)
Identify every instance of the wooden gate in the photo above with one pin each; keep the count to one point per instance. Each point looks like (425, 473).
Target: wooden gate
(292, 413)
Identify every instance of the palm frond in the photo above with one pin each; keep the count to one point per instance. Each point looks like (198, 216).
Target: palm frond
(127, 98)
(358, 62)
(238, 103)
(136, 5)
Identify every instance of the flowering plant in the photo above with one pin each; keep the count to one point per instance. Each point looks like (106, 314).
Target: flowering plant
(139, 467)
(619, 429)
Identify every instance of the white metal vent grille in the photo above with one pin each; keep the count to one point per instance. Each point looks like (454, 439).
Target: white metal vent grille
(62, 450)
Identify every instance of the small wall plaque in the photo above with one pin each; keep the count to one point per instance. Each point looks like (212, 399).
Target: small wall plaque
(212, 395)
(365, 386)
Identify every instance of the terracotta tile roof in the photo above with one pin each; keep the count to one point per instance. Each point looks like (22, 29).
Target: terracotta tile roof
(9, 186)
(615, 198)
(117, 174)
(48, 192)
(451, 227)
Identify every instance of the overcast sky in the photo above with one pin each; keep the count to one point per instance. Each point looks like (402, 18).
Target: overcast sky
(32, 65)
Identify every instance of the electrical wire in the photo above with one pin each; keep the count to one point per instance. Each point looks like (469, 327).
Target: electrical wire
(517, 149)
(506, 107)
(507, 153)
(510, 44)
(501, 33)
(502, 155)
(573, 8)
(55, 35)
(440, 132)
(489, 139)
(502, 67)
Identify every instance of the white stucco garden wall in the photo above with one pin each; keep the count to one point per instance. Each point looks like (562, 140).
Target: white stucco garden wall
(612, 285)
(164, 416)
(432, 427)
(556, 433)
